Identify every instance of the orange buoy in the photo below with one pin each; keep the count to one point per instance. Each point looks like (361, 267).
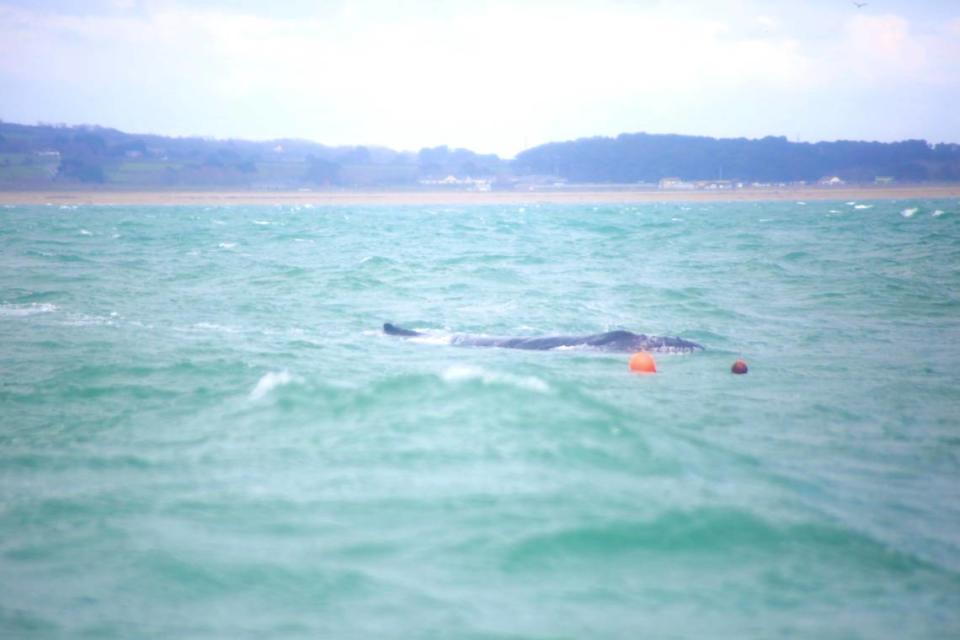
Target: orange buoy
(643, 362)
(739, 367)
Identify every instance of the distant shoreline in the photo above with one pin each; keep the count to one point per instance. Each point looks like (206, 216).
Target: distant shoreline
(587, 195)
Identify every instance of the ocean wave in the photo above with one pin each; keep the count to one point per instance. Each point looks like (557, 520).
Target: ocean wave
(270, 381)
(33, 308)
(717, 530)
(468, 373)
(436, 339)
(84, 320)
(211, 326)
(908, 213)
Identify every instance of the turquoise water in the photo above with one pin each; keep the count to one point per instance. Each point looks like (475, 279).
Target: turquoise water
(205, 435)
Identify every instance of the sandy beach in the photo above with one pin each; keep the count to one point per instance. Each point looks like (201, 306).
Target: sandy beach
(566, 196)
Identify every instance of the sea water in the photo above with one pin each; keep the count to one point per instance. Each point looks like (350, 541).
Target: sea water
(205, 434)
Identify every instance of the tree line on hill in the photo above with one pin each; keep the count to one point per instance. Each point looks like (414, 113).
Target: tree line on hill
(642, 157)
(44, 155)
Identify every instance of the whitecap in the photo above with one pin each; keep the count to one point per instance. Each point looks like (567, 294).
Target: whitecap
(261, 222)
(938, 213)
(851, 203)
(863, 206)
(210, 326)
(18, 310)
(270, 381)
(908, 213)
(84, 320)
(834, 211)
(84, 232)
(227, 245)
(801, 203)
(427, 338)
(467, 373)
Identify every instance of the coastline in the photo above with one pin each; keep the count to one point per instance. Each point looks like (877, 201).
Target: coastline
(587, 195)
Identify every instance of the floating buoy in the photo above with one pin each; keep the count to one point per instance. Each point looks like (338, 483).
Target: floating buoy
(643, 363)
(739, 367)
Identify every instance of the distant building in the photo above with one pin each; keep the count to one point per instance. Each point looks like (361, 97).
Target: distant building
(830, 181)
(714, 184)
(471, 184)
(674, 183)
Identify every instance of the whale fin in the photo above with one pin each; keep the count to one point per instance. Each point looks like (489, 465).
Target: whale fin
(394, 330)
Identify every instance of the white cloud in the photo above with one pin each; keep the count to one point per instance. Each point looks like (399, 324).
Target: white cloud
(493, 76)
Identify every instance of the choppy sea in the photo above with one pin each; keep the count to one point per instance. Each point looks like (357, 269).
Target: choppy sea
(205, 434)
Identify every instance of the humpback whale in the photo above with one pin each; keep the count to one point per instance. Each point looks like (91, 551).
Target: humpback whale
(624, 341)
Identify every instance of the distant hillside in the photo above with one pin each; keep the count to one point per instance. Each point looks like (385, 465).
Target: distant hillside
(47, 155)
(50, 156)
(642, 157)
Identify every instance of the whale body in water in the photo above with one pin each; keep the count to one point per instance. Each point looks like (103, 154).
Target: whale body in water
(624, 341)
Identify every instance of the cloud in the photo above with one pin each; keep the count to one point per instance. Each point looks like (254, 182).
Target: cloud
(881, 45)
(494, 75)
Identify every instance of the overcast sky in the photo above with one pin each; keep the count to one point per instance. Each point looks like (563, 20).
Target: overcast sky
(490, 76)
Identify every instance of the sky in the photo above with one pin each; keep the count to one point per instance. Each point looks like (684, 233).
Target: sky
(492, 76)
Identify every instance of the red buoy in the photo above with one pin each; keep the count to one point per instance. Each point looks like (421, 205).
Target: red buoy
(643, 363)
(739, 367)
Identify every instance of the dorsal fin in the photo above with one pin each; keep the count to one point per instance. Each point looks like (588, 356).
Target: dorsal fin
(394, 330)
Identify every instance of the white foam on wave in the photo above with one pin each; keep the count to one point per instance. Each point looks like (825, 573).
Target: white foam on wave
(909, 213)
(863, 206)
(19, 310)
(834, 211)
(467, 373)
(261, 222)
(84, 232)
(227, 245)
(84, 320)
(801, 203)
(938, 213)
(270, 381)
(433, 338)
(210, 326)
